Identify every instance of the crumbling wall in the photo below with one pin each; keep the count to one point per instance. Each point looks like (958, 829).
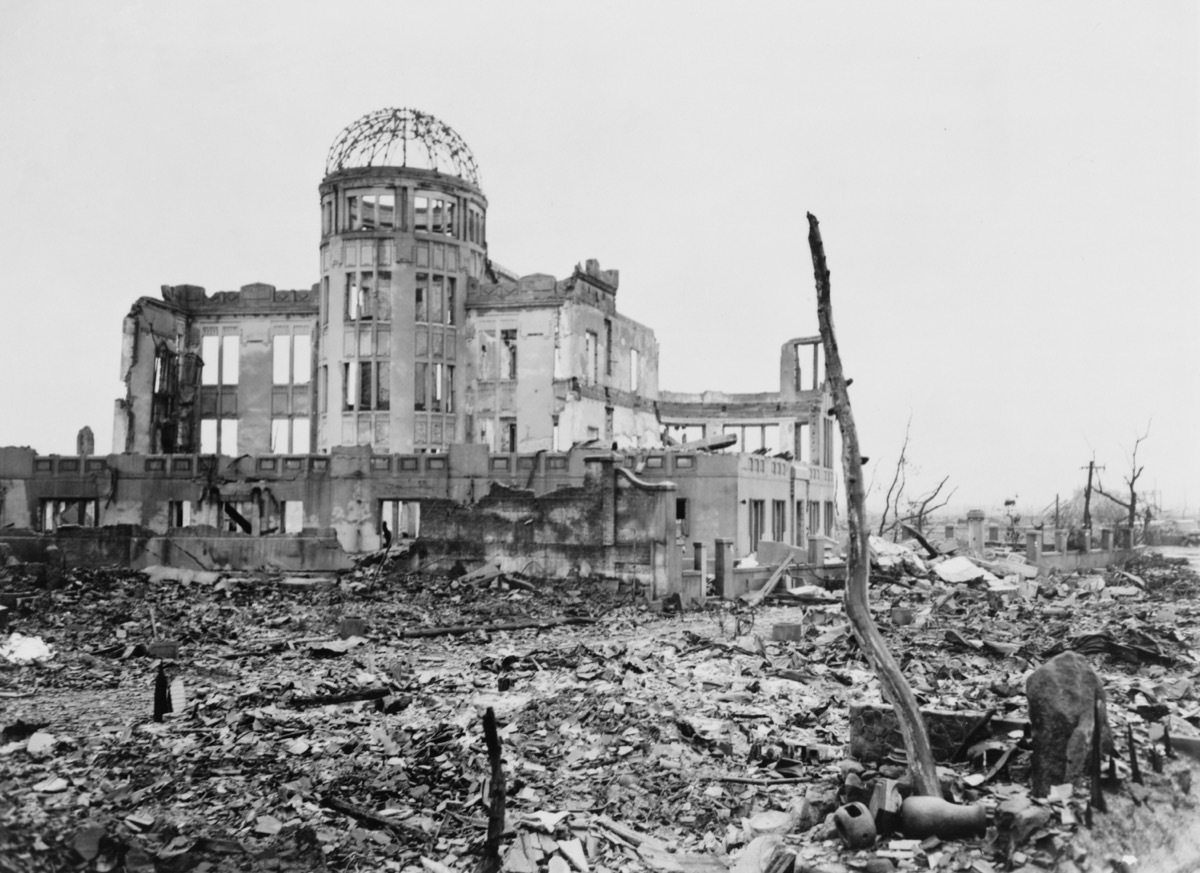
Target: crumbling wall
(564, 512)
(559, 530)
(609, 525)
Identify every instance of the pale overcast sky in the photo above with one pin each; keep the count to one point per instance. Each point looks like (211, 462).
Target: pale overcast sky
(1009, 195)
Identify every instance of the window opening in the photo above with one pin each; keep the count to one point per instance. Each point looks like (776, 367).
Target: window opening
(591, 356)
(422, 309)
(352, 298)
(281, 369)
(438, 388)
(508, 353)
(218, 436)
(487, 355)
(420, 381)
(292, 518)
(435, 299)
(770, 438)
(508, 435)
(301, 359)
(608, 347)
(757, 513)
(402, 517)
(56, 513)
(238, 515)
(803, 443)
(487, 432)
(179, 513)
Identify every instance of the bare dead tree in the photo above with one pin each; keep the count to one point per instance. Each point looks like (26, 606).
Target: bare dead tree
(1131, 481)
(922, 507)
(858, 560)
(899, 478)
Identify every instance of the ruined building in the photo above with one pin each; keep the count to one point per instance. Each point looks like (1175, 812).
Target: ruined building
(418, 385)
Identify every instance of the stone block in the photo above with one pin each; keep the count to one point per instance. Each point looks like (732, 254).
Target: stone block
(693, 585)
(1065, 695)
(787, 631)
(874, 730)
(163, 649)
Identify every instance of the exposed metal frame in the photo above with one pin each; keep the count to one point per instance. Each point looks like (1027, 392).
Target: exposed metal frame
(382, 139)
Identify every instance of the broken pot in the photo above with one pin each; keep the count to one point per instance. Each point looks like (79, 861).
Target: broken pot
(855, 825)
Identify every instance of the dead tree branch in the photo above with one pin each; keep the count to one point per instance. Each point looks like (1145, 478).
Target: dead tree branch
(920, 538)
(858, 560)
(898, 478)
(1130, 506)
(920, 509)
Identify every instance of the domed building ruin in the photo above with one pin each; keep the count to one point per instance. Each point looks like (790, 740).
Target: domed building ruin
(419, 389)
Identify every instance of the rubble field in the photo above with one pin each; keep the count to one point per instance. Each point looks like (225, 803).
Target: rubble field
(337, 724)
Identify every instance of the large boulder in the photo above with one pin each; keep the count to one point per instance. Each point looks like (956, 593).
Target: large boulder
(1064, 696)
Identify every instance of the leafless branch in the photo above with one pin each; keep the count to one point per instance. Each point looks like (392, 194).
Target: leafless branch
(897, 478)
(1135, 471)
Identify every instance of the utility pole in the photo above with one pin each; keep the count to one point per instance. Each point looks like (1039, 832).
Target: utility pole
(1056, 512)
(1087, 495)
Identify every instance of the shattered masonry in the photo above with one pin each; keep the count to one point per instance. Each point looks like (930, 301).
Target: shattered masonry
(421, 386)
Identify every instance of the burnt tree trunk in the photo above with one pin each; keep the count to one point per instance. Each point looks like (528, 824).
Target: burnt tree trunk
(858, 562)
(490, 861)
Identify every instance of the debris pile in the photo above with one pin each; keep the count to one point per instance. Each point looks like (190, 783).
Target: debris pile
(320, 723)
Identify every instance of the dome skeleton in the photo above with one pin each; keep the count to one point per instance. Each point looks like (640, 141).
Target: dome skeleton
(379, 138)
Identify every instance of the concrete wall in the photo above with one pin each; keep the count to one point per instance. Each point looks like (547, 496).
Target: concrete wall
(559, 510)
(258, 315)
(493, 397)
(148, 323)
(612, 524)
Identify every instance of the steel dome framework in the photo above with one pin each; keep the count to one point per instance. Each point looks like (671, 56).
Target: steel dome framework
(402, 138)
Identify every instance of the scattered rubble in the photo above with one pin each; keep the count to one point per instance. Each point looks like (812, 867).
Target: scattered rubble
(630, 740)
